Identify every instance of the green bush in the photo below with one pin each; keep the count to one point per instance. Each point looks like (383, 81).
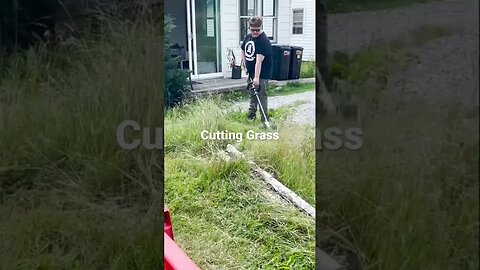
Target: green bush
(175, 78)
(307, 70)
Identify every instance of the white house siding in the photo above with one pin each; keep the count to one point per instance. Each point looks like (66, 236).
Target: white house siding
(283, 26)
(307, 39)
(230, 31)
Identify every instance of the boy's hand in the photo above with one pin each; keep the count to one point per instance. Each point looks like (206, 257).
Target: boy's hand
(256, 81)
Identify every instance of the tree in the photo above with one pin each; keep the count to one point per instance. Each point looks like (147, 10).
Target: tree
(23, 22)
(175, 78)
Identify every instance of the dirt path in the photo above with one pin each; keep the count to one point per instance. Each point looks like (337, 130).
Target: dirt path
(447, 68)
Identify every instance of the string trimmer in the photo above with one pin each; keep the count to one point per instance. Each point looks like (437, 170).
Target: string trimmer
(252, 87)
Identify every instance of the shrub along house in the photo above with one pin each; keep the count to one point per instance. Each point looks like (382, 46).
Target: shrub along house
(206, 29)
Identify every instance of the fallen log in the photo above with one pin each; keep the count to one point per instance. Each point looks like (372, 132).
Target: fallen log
(279, 188)
(323, 260)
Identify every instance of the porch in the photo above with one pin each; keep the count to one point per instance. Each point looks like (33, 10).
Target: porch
(221, 85)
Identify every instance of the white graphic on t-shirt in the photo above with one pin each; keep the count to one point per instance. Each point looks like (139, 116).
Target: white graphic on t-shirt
(250, 51)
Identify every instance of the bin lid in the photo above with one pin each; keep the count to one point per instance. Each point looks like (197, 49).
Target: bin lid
(285, 47)
(296, 47)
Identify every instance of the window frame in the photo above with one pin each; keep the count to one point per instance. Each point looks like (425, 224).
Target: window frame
(258, 11)
(302, 22)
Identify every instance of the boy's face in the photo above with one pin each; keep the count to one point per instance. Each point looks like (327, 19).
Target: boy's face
(255, 31)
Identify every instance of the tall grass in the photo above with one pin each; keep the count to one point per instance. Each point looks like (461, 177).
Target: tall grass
(307, 70)
(222, 217)
(409, 198)
(70, 197)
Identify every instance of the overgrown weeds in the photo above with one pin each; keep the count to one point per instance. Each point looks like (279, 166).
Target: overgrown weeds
(307, 70)
(70, 197)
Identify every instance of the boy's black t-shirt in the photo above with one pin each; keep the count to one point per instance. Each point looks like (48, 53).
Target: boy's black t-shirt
(252, 47)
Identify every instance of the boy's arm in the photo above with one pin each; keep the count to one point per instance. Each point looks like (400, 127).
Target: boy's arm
(243, 60)
(258, 69)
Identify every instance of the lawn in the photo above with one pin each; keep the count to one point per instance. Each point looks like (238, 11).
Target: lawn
(222, 217)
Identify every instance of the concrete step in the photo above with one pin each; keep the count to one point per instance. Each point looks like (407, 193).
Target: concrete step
(223, 85)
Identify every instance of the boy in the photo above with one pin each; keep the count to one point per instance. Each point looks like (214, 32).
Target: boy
(257, 58)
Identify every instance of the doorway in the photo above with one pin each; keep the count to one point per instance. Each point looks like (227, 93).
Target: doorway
(204, 26)
(197, 33)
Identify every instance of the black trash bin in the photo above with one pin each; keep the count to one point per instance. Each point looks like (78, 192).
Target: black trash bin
(236, 72)
(296, 54)
(281, 62)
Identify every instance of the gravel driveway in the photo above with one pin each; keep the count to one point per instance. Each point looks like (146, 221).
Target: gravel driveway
(354, 31)
(304, 114)
(448, 67)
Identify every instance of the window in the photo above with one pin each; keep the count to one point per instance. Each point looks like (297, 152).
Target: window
(265, 8)
(297, 22)
(210, 27)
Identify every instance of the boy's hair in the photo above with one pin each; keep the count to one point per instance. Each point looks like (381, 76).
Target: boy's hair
(255, 21)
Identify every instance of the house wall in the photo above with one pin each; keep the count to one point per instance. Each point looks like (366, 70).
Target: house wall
(230, 32)
(307, 39)
(283, 19)
(285, 24)
(230, 23)
(230, 29)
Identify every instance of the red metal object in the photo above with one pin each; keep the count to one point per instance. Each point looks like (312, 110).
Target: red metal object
(167, 223)
(174, 257)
